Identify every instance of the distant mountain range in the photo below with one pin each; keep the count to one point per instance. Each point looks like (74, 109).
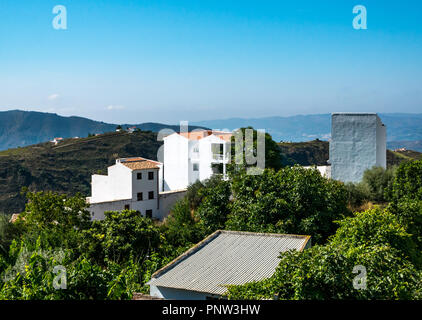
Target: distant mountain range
(22, 128)
(403, 129)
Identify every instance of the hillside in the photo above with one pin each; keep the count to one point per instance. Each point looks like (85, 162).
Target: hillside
(410, 145)
(68, 166)
(22, 128)
(316, 152)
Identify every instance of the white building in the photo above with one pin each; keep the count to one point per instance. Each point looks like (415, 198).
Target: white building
(325, 171)
(135, 184)
(224, 258)
(196, 155)
(56, 140)
(358, 143)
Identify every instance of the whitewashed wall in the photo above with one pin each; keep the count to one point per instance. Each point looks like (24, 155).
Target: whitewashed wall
(357, 143)
(176, 162)
(178, 294)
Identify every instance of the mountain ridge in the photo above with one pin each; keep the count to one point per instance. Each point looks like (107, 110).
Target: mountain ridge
(20, 128)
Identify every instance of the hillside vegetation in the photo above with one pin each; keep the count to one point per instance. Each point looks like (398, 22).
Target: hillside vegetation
(68, 166)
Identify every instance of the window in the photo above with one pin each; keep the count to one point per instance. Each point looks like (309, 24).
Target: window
(139, 176)
(140, 196)
(151, 195)
(148, 213)
(151, 175)
(196, 167)
(127, 207)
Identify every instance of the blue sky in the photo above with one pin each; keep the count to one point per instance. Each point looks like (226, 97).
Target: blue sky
(166, 61)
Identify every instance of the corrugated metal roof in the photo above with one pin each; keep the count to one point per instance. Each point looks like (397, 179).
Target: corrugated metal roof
(227, 257)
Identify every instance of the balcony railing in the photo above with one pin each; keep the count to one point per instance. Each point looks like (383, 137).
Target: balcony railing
(218, 157)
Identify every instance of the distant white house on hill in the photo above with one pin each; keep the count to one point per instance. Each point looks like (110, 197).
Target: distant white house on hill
(133, 184)
(224, 258)
(55, 141)
(196, 155)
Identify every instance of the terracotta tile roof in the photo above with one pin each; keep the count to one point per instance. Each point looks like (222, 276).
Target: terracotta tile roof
(197, 135)
(139, 163)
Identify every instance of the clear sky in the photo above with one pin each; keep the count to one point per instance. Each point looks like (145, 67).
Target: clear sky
(165, 61)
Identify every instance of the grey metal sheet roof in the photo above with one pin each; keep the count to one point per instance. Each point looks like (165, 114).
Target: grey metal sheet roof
(227, 257)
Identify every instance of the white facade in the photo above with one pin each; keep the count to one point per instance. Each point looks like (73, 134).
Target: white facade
(189, 157)
(133, 184)
(358, 143)
(325, 171)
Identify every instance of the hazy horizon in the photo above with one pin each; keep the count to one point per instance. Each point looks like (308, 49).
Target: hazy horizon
(162, 61)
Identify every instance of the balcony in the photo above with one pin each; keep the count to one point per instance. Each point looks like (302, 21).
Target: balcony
(218, 157)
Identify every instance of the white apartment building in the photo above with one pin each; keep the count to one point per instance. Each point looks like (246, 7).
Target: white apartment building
(196, 155)
(132, 183)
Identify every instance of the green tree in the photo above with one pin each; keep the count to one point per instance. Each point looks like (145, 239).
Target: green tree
(406, 195)
(273, 158)
(292, 200)
(377, 181)
(181, 228)
(128, 233)
(373, 239)
(214, 207)
(408, 182)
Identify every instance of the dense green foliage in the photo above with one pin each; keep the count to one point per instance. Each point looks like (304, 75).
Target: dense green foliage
(107, 259)
(241, 150)
(375, 187)
(291, 200)
(113, 258)
(386, 242)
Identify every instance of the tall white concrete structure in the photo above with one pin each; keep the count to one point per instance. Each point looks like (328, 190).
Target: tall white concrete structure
(134, 184)
(196, 155)
(358, 142)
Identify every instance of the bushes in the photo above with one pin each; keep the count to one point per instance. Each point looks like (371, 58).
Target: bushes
(373, 239)
(375, 187)
(408, 182)
(388, 243)
(377, 181)
(181, 228)
(214, 208)
(106, 259)
(357, 194)
(292, 200)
